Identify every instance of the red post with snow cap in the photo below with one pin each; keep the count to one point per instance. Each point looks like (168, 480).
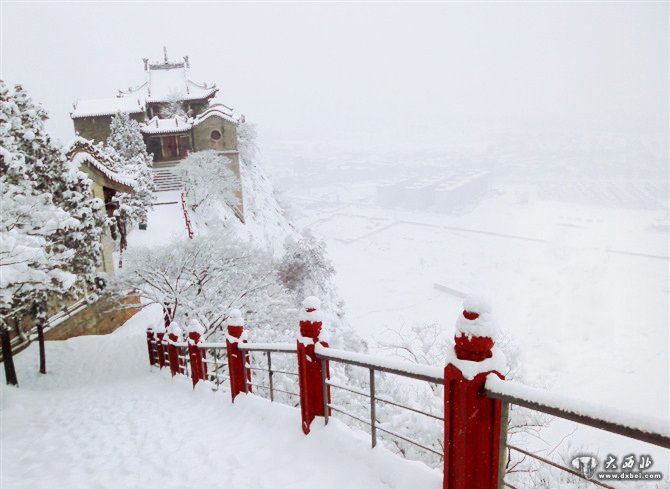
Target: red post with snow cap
(159, 336)
(174, 336)
(238, 360)
(309, 367)
(196, 356)
(472, 421)
(150, 346)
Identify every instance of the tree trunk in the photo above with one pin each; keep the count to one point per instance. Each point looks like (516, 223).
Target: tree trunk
(43, 356)
(121, 225)
(8, 358)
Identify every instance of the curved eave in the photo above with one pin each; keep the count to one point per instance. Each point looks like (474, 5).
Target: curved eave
(158, 132)
(74, 115)
(187, 97)
(109, 178)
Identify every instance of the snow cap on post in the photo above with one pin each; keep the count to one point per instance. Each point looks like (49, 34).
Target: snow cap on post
(310, 318)
(476, 331)
(235, 323)
(194, 326)
(175, 330)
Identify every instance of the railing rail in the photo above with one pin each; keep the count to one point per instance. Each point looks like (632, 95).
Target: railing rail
(477, 401)
(637, 427)
(388, 365)
(269, 349)
(375, 364)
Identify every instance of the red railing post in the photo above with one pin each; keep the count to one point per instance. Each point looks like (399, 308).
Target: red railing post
(159, 335)
(174, 336)
(472, 420)
(150, 346)
(198, 368)
(309, 367)
(237, 359)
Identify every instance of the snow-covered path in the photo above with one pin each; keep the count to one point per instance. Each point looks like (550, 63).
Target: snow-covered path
(102, 418)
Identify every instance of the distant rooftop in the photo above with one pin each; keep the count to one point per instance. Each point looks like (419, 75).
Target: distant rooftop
(166, 81)
(169, 81)
(107, 106)
(179, 124)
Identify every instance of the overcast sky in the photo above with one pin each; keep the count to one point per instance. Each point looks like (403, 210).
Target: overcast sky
(326, 71)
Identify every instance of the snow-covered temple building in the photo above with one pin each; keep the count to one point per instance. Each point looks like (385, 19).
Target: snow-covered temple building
(177, 116)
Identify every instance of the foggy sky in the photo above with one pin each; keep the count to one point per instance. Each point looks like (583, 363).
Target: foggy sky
(383, 72)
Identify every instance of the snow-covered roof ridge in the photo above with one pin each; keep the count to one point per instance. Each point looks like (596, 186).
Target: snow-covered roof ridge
(82, 151)
(167, 82)
(107, 106)
(156, 125)
(217, 110)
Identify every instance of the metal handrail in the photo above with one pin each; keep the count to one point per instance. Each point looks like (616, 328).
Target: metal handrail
(558, 466)
(658, 439)
(373, 365)
(493, 390)
(268, 349)
(508, 399)
(368, 361)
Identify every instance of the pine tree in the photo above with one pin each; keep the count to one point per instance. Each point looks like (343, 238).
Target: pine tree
(51, 225)
(126, 147)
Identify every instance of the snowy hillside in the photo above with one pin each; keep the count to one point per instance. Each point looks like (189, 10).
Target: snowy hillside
(127, 425)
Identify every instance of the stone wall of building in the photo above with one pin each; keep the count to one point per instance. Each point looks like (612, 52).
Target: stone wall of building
(202, 135)
(101, 317)
(97, 128)
(106, 264)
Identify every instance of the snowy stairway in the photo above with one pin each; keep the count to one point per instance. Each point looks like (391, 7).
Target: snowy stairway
(165, 178)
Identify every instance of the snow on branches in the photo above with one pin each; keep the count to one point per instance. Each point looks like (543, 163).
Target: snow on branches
(209, 183)
(51, 225)
(126, 148)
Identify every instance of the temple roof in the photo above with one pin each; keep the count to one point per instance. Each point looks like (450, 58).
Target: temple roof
(166, 81)
(166, 126)
(179, 124)
(169, 81)
(107, 106)
(81, 151)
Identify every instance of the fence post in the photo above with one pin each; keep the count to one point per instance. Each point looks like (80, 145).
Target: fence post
(311, 370)
(174, 335)
(236, 357)
(150, 346)
(198, 367)
(472, 421)
(159, 334)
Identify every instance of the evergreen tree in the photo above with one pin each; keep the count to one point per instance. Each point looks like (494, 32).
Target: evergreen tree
(126, 147)
(51, 225)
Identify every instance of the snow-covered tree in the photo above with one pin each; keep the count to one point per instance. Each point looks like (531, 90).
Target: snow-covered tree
(209, 182)
(51, 225)
(125, 146)
(204, 278)
(173, 107)
(305, 268)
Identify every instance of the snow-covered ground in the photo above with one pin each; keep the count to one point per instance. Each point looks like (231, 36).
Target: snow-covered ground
(575, 263)
(102, 418)
(582, 288)
(165, 222)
